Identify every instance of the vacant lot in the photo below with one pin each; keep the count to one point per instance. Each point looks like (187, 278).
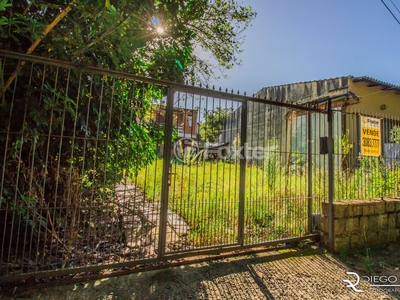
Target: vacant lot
(206, 196)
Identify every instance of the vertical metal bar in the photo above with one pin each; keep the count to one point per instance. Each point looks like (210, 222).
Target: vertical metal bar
(86, 151)
(224, 200)
(190, 180)
(330, 176)
(382, 159)
(44, 202)
(8, 208)
(60, 152)
(126, 232)
(242, 182)
(210, 201)
(51, 220)
(108, 113)
(358, 130)
(4, 206)
(195, 122)
(259, 200)
(203, 202)
(26, 237)
(71, 172)
(310, 191)
(166, 163)
(358, 150)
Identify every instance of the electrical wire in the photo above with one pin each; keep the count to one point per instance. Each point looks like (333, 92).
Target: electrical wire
(395, 6)
(390, 12)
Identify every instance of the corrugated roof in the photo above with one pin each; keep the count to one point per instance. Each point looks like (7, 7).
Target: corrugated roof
(375, 82)
(302, 92)
(371, 82)
(310, 81)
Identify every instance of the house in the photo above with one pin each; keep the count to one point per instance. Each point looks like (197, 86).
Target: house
(185, 121)
(360, 104)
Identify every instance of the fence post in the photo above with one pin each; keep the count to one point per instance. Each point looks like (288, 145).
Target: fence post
(242, 183)
(310, 192)
(166, 163)
(331, 180)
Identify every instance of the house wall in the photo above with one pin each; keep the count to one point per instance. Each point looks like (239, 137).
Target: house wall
(190, 130)
(371, 99)
(181, 120)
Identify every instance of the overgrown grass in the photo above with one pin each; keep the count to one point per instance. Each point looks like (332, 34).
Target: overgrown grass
(372, 179)
(206, 195)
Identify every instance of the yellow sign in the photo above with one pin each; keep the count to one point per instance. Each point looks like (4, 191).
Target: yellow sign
(370, 136)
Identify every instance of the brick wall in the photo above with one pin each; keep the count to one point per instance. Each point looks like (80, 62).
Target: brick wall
(359, 224)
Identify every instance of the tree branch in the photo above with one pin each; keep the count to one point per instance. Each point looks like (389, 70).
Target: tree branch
(34, 45)
(108, 32)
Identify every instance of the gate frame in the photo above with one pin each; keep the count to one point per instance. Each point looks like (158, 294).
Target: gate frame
(243, 99)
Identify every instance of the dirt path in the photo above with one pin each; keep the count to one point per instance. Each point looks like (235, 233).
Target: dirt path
(123, 227)
(141, 221)
(278, 274)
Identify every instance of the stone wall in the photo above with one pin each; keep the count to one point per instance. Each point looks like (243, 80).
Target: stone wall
(359, 224)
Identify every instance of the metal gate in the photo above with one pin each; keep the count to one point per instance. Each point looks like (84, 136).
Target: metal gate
(239, 173)
(102, 169)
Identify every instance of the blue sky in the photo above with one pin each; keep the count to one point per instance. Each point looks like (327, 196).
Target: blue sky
(303, 40)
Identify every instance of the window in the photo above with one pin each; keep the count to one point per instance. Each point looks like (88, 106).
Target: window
(190, 120)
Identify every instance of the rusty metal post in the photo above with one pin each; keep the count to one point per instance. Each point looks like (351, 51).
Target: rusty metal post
(330, 178)
(242, 183)
(310, 191)
(165, 179)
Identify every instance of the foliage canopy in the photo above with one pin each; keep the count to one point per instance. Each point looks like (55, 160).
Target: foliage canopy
(68, 136)
(123, 34)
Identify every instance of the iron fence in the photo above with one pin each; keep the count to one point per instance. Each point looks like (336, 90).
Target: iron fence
(367, 156)
(102, 169)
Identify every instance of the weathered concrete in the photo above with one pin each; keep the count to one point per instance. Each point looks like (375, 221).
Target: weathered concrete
(359, 224)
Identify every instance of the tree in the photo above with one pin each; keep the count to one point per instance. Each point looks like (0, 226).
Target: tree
(97, 137)
(124, 34)
(120, 35)
(211, 128)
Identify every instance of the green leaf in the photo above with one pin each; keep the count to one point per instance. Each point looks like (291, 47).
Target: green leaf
(112, 9)
(4, 4)
(3, 20)
(179, 64)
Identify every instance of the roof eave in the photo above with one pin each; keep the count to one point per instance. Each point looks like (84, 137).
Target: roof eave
(372, 82)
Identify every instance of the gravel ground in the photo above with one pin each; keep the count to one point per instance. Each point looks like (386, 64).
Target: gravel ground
(278, 274)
